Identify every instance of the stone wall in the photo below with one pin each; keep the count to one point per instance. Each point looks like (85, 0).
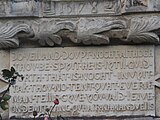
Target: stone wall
(61, 44)
(128, 74)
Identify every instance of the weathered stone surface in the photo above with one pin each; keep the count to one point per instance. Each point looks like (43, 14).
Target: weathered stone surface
(83, 22)
(87, 31)
(4, 59)
(51, 32)
(94, 118)
(53, 8)
(4, 64)
(141, 30)
(58, 8)
(9, 33)
(79, 30)
(68, 8)
(140, 5)
(88, 81)
(16, 8)
(157, 71)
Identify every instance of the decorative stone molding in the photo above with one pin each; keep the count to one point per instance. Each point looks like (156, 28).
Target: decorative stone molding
(9, 34)
(141, 30)
(82, 27)
(90, 30)
(48, 32)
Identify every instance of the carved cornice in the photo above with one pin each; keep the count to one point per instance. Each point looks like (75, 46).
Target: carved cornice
(48, 32)
(143, 30)
(9, 34)
(87, 31)
(90, 30)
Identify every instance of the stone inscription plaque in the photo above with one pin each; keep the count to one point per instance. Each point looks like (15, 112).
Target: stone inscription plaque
(88, 81)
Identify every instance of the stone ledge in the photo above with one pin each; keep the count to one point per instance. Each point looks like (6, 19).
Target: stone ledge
(144, 29)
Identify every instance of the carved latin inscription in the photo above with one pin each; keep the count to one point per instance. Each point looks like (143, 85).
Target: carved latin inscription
(88, 81)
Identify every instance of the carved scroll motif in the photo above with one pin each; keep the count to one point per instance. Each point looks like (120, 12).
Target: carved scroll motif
(86, 31)
(89, 30)
(141, 30)
(9, 34)
(47, 32)
(50, 32)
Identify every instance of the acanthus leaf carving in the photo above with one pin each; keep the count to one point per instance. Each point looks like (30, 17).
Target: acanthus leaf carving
(64, 25)
(141, 30)
(48, 32)
(86, 30)
(90, 30)
(47, 39)
(9, 34)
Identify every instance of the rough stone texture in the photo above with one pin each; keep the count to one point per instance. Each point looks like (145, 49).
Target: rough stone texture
(48, 32)
(157, 71)
(140, 5)
(56, 8)
(16, 8)
(66, 8)
(141, 30)
(86, 31)
(4, 59)
(35, 23)
(4, 64)
(138, 118)
(86, 23)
